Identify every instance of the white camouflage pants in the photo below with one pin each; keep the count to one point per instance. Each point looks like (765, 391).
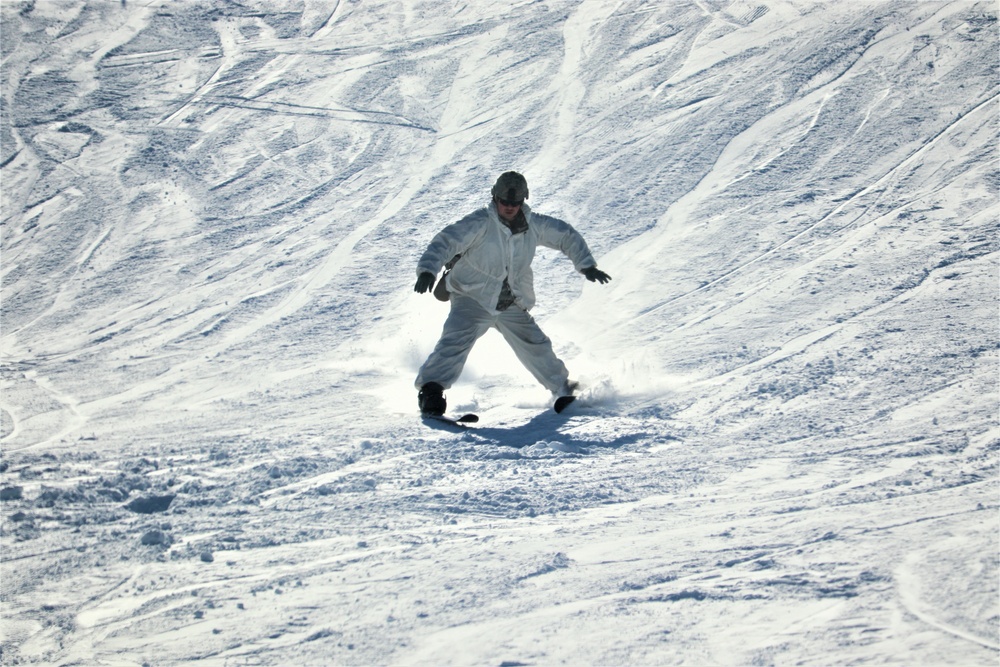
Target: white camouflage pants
(468, 321)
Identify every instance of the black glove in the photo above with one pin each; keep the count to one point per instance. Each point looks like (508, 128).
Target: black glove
(424, 282)
(594, 274)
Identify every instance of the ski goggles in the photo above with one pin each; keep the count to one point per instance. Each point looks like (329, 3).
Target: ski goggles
(512, 204)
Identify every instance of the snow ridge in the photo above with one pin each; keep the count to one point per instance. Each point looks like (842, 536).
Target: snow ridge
(785, 446)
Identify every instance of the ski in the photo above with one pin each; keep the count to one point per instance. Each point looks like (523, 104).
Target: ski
(462, 421)
(562, 402)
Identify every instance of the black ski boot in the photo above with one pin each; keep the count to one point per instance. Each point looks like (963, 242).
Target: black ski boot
(431, 399)
(567, 397)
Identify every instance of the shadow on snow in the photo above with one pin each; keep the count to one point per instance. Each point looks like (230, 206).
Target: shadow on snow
(552, 430)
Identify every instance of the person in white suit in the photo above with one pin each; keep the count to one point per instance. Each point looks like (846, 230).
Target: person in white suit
(489, 283)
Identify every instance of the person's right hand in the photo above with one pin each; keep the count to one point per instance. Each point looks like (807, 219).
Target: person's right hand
(424, 282)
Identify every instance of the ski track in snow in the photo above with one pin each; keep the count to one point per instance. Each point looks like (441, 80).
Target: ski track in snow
(785, 449)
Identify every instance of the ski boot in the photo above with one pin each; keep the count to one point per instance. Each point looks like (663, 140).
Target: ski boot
(567, 397)
(431, 399)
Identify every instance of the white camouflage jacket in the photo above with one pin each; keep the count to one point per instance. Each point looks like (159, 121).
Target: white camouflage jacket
(490, 253)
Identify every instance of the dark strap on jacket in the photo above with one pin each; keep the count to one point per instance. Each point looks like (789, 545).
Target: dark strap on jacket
(506, 299)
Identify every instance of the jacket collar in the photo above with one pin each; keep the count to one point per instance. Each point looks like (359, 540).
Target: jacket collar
(519, 224)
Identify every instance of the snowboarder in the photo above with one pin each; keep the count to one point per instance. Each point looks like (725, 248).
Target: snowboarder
(490, 284)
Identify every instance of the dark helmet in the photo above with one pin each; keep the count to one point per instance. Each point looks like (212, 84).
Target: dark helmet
(511, 186)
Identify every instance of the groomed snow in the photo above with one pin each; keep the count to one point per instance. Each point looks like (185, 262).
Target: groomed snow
(785, 452)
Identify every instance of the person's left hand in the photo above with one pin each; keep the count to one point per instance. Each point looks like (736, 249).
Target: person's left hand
(595, 275)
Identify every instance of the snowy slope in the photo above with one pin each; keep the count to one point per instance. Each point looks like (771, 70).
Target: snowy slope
(786, 449)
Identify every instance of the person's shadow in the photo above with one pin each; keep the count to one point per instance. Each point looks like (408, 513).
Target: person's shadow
(545, 427)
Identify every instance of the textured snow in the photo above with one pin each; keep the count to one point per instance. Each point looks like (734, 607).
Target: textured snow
(786, 447)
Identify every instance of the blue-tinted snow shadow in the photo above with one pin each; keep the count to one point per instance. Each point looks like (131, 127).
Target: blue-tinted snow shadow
(554, 431)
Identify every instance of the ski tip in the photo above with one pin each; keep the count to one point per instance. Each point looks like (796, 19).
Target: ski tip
(563, 401)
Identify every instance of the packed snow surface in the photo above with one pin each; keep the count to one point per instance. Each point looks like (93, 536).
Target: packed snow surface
(785, 449)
